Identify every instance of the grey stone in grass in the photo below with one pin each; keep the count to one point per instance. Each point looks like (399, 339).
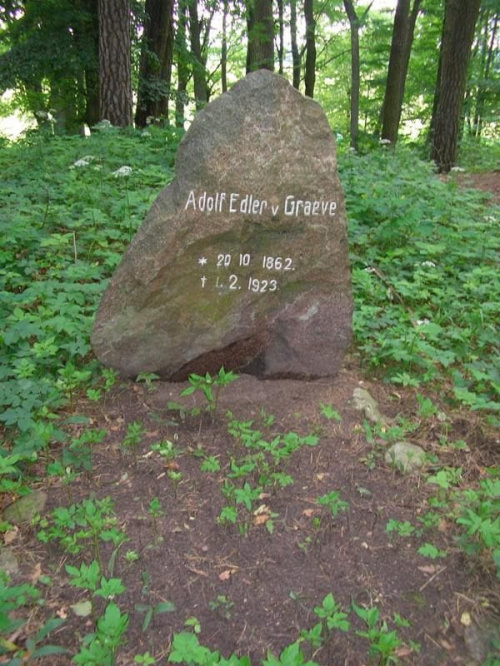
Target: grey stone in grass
(242, 260)
(365, 403)
(9, 563)
(405, 456)
(25, 508)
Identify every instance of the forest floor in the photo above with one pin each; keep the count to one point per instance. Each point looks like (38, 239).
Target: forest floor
(489, 181)
(252, 588)
(253, 584)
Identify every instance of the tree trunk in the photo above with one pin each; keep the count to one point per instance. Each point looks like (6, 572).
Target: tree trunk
(488, 59)
(458, 32)
(155, 69)
(199, 69)
(355, 76)
(310, 73)
(295, 48)
(281, 45)
(223, 53)
(91, 72)
(402, 39)
(260, 23)
(181, 53)
(115, 84)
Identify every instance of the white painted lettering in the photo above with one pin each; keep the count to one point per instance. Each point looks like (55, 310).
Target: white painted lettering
(233, 198)
(191, 201)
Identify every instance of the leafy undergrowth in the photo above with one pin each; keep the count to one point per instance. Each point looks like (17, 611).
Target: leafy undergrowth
(274, 504)
(424, 259)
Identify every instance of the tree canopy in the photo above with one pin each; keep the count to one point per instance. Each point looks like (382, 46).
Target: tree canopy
(380, 68)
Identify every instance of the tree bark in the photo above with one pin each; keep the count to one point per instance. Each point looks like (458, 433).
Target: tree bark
(91, 71)
(402, 38)
(295, 48)
(355, 75)
(260, 23)
(155, 69)
(489, 50)
(458, 32)
(115, 83)
(199, 69)
(223, 53)
(310, 72)
(181, 53)
(281, 44)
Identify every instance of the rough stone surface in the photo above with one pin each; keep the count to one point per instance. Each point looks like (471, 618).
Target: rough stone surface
(406, 456)
(366, 403)
(26, 508)
(256, 178)
(9, 563)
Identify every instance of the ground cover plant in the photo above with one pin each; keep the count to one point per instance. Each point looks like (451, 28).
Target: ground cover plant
(227, 520)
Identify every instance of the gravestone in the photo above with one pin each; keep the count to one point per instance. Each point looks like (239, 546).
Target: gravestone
(242, 260)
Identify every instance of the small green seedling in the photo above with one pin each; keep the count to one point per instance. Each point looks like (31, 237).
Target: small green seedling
(148, 378)
(330, 413)
(166, 449)
(332, 502)
(152, 611)
(222, 606)
(155, 511)
(133, 437)
(210, 387)
(402, 529)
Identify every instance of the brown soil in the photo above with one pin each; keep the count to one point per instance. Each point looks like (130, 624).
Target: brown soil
(252, 590)
(488, 181)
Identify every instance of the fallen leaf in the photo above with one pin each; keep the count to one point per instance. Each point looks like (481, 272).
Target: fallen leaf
(443, 526)
(36, 573)
(225, 575)
(403, 651)
(10, 536)
(261, 520)
(82, 608)
(320, 476)
(262, 509)
(466, 619)
(62, 613)
(428, 568)
(446, 645)
(308, 512)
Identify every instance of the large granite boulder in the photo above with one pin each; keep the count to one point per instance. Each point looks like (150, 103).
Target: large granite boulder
(242, 260)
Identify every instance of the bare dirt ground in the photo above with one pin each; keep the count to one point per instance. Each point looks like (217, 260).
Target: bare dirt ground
(252, 590)
(487, 182)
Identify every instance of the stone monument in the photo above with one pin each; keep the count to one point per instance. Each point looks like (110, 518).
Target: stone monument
(242, 260)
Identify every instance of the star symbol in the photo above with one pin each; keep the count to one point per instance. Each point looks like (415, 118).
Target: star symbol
(202, 261)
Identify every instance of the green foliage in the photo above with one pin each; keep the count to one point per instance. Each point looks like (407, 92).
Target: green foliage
(67, 220)
(13, 600)
(430, 550)
(100, 647)
(133, 437)
(152, 611)
(426, 286)
(478, 514)
(383, 642)
(333, 503)
(330, 413)
(210, 387)
(74, 527)
(290, 656)
(402, 529)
